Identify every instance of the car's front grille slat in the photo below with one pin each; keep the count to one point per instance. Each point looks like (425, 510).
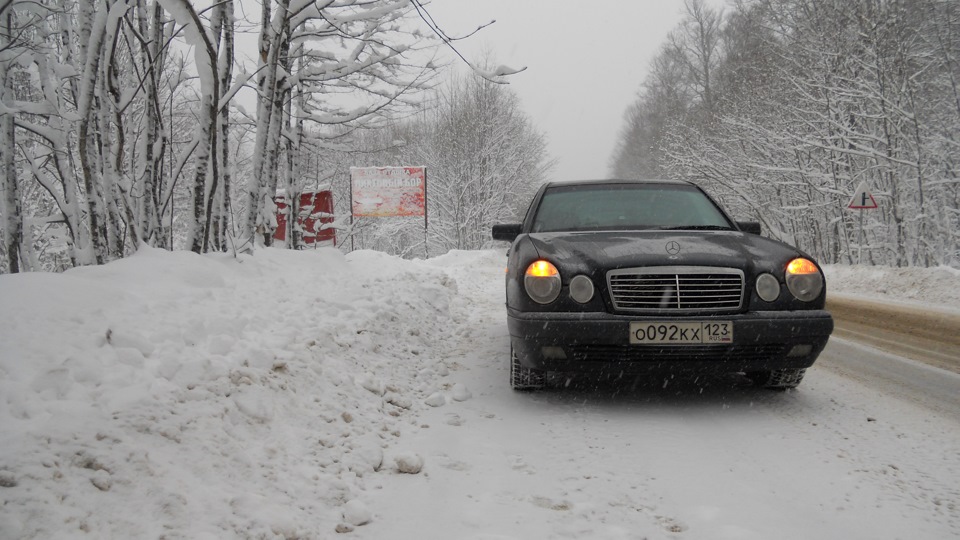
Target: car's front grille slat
(676, 288)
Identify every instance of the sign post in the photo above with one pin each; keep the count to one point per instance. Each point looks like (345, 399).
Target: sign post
(861, 200)
(426, 224)
(389, 192)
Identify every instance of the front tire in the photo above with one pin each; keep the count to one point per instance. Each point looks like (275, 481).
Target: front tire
(778, 379)
(523, 378)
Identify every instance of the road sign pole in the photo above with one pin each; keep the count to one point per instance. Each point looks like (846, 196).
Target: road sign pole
(861, 200)
(860, 241)
(426, 222)
(352, 232)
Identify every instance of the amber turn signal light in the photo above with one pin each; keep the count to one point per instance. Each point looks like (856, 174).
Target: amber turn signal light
(542, 282)
(542, 268)
(801, 266)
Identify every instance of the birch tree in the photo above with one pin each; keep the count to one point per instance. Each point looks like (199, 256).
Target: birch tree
(150, 35)
(9, 192)
(42, 111)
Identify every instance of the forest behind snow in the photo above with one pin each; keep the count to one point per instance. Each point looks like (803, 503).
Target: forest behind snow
(132, 122)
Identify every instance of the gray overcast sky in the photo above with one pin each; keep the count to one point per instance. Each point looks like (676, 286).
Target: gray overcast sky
(585, 61)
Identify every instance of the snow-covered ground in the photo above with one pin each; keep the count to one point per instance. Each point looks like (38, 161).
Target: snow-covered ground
(312, 395)
(929, 287)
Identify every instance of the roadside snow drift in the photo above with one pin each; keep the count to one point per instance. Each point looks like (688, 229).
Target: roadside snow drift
(176, 395)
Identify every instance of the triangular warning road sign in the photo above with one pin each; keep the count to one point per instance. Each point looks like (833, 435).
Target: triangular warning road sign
(862, 199)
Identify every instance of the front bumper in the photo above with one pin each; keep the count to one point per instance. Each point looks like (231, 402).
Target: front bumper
(763, 340)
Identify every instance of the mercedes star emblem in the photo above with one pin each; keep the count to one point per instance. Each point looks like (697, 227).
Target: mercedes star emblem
(673, 247)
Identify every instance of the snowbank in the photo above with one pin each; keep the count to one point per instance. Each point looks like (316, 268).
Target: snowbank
(206, 396)
(939, 286)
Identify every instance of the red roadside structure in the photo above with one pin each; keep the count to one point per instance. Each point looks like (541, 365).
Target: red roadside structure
(316, 209)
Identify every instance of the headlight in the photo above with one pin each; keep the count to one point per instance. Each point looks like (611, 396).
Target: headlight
(804, 279)
(768, 288)
(581, 289)
(542, 282)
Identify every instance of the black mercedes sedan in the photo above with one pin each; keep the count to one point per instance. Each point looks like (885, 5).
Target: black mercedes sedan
(625, 276)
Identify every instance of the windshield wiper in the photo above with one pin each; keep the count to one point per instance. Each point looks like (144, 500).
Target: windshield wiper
(697, 228)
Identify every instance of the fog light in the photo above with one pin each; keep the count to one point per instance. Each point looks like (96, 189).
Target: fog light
(800, 350)
(581, 289)
(768, 288)
(553, 353)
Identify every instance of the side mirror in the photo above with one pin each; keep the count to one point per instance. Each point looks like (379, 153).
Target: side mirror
(752, 227)
(508, 232)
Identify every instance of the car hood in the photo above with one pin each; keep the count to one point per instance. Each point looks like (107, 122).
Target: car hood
(606, 250)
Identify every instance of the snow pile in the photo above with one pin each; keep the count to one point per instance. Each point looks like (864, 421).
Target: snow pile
(207, 396)
(938, 286)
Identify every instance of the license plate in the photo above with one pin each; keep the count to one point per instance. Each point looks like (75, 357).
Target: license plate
(681, 333)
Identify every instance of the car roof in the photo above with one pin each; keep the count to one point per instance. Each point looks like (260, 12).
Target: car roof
(617, 181)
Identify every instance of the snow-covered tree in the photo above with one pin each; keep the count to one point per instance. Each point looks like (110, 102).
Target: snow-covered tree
(484, 159)
(119, 122)
(811, 97)
(332, 63)
(9, 190)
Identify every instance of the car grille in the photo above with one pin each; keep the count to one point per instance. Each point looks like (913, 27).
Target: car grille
(675, 353)
(676, 289)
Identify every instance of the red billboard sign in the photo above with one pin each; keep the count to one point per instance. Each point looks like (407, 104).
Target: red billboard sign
(388, 191)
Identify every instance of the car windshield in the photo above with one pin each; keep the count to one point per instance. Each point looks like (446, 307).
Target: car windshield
(627, 206)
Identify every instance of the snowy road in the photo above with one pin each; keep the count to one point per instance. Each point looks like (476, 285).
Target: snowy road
(935, 389)
(851, 454)
(834, 460)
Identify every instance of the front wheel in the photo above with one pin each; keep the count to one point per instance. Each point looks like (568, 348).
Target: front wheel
(778, 379)
(524, 378)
